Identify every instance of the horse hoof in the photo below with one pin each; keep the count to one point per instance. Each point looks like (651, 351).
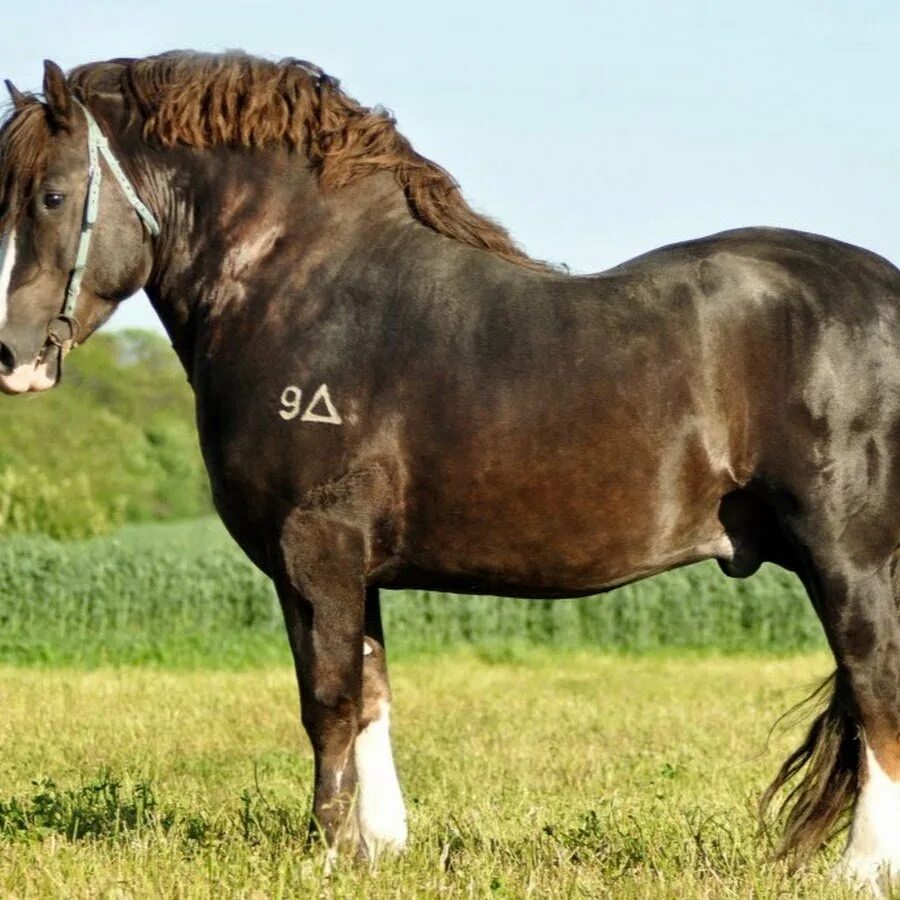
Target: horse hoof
(384, 834)
(877, 877)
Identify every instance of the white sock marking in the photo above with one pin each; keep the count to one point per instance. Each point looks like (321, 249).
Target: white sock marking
(382, 815)
(7, 263)
(873, 848)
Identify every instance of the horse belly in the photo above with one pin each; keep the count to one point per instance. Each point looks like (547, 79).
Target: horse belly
(552, 527)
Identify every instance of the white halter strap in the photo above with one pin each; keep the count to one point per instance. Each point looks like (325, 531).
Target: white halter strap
(98, 146)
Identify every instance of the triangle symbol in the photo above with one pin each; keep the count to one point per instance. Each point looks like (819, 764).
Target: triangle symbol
(323, 398)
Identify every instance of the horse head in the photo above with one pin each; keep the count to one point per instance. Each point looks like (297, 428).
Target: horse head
(71, 246)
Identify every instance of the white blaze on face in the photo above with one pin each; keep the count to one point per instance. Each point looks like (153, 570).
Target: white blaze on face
(872, 856)
(30, 376)
(382, 815)
(7, 262)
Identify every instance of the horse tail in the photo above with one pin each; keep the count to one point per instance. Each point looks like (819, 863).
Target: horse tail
(818, 805)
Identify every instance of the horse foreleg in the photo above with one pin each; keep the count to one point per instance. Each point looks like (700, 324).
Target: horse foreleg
(323, 599)
(382, 815)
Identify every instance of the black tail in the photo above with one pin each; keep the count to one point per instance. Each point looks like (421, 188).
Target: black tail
(818, 807)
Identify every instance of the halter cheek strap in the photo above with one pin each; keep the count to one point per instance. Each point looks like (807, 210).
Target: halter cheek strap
(97, 146)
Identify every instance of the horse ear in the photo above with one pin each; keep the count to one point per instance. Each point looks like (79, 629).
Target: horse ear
(58, 96)
(18, 98)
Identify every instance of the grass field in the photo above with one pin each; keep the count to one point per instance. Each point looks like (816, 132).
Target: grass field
(544, 775)
(150, 744)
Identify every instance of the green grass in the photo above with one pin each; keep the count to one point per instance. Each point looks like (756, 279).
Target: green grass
(183, 595)
(533, 764)
(557, 775)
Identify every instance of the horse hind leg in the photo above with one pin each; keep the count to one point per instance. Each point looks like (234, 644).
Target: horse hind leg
(850, 759)
(872, 639)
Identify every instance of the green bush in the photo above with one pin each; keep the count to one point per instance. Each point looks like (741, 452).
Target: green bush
(64, 508)
(116, 441)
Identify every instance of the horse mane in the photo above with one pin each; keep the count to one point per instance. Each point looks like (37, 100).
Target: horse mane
(203, 100)
(24, 140)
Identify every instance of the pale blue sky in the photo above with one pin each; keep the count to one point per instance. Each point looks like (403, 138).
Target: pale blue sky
(594, 131)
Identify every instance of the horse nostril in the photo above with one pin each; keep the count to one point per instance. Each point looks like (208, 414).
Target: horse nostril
(7, 359)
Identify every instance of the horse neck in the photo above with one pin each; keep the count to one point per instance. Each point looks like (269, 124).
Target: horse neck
(230, 219)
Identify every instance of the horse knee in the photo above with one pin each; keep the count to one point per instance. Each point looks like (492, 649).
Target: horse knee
(321, 553)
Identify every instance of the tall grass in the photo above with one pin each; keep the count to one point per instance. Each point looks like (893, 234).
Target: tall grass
(184, 593)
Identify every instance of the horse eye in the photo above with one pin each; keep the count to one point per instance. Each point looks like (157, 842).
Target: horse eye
(53, 200)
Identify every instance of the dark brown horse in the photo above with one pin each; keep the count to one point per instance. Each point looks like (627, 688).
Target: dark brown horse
(390, 394)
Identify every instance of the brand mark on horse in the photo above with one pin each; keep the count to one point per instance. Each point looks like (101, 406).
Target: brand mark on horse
(319, 409)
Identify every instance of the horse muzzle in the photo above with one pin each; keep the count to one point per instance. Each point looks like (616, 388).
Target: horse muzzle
(41, 374)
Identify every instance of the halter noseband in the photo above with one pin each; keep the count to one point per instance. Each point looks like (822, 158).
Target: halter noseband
(97, 146)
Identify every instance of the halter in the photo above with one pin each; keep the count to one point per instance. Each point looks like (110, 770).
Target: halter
(97, 146)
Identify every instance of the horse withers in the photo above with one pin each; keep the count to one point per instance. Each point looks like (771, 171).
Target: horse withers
(391, 394)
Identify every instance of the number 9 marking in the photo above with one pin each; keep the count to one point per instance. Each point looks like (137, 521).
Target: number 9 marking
(290, 400)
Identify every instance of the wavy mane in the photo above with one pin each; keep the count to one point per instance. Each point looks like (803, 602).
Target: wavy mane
(203, 100)
(24, 139)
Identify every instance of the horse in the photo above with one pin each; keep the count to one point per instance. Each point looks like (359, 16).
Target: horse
(391, 394)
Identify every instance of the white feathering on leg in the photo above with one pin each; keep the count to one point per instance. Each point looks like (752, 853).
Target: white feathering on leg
(872, 856)
(382, 815)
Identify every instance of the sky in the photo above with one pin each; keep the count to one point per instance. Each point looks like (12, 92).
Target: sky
(593, 130)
